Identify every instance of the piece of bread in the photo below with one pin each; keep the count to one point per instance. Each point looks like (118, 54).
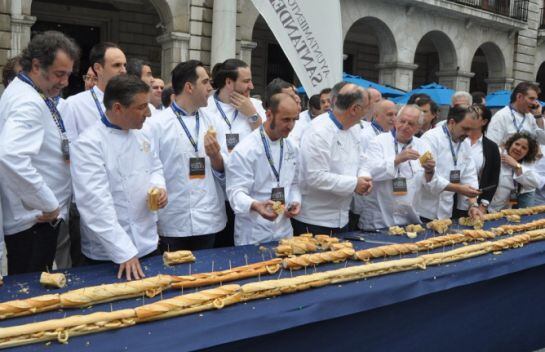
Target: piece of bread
(425, 157)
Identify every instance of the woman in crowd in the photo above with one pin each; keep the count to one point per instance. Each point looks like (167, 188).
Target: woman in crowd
(518, 178)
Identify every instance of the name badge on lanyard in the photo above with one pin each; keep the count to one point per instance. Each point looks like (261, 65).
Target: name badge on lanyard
(455, 176)
(65, 148)
(197, 167)
(278, 195)
(399, 186)
(231, 140)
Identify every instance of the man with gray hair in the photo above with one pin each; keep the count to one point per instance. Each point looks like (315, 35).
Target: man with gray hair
(332, 163)
(398, 176)
(461, 98)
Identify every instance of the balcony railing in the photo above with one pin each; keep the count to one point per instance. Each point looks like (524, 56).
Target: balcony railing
(517, 9)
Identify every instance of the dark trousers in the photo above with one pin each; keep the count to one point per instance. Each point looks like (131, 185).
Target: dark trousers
(75, 237)
(32, 250)
(226, 238)
(193, 243)
(301, 227)
(89, 261)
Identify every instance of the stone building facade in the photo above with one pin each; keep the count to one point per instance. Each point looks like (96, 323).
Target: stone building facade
(463, 44)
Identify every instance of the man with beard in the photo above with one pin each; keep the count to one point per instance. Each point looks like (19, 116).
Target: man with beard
(455, 169)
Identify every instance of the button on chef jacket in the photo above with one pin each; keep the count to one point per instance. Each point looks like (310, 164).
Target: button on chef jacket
(528, 181)
(194, 206)
(250, 178)
(34, 177)
(331, 161)
(240, 124)
(395, 209)
(501, 126)
(112, 171)
(433, 206)
(80, 111)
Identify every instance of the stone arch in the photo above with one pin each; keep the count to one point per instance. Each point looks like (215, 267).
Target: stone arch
(448, 58)
(489, 66)
(435, 55)
(387, 44)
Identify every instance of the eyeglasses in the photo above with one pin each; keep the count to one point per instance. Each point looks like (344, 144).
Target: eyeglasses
(89, 78)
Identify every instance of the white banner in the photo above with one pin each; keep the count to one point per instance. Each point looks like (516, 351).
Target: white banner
(310, 33)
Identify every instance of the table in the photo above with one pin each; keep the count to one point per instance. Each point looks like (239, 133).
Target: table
(491, 302)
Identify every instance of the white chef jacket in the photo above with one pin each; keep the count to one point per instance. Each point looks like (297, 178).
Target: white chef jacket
(240, 125)
(80, 112)
(395, 209)
(368, 133)
(501, 126)
(113, 171)
(34, 177)
(539, 169)
(529, 180)
(330, 163)
(194, 207)
(250, 178)
(301, 125)
(431, 205)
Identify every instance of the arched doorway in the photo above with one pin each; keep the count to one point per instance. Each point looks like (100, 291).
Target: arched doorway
(540, 78)
(368, 43)
(489, 67)
(435, 52)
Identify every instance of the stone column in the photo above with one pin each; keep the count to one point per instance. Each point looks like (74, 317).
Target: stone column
(397, 74)
(20, 32)
(246, 49)
(224, 31)
(174, 49)
(457, 80)
(495, 84)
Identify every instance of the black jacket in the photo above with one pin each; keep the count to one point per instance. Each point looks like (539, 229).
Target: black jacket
(490, 174)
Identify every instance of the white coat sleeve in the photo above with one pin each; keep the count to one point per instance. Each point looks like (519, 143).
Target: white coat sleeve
(382, 169)
(20, 140)
(440, 183)
(95, 202)
(529, 177)
(240, 180)
(540, 133)
(315, 155)
(495, 131)
(295, 192)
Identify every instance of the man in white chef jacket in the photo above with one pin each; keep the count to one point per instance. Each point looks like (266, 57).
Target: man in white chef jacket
(522, 114)
(34, 153)
(332, 165)
(195, 212)
(398, 176)
(114, 165)
(455, 169)
(262, 170)
(239, 114)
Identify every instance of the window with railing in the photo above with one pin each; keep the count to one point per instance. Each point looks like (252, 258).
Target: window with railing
(517, 9)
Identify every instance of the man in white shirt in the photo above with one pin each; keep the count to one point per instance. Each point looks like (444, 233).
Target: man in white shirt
(398, 176)
(114, 167)
(305, 117)
(195, 213)
(325, 99)
(461, 98)
(374, 98)
(518, 116)
(262, 173)
(332, 164)
(157, 86)
(455, 169)
(142, 69)
(34, 153)
(232, 108)
(84, 109)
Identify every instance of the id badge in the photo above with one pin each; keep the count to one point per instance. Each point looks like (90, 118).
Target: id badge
(399, 185)
(65, 148)
(196, 168)
(231, 139)
(277, 195)
(513, 198)
(455, 176)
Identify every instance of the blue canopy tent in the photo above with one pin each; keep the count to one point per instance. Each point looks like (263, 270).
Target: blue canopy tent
(438, 93)
(501, 98)
(385, 91)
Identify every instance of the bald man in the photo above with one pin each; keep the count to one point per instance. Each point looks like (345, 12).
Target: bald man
(374, 98)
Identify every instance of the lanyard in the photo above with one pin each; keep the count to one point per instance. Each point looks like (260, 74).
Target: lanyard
(179, 112)
(269, 153)
(107, 122)
(49, 102)
(378, 128)
(396, 145)
(97, 103)
(220, 109)
(335, 121)
(517, 127)
(454, 155)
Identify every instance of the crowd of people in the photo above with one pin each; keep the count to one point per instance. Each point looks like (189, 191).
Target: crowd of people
(137, 168)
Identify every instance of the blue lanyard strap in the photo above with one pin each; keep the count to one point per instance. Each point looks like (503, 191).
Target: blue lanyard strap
(49, 102)
(220, 109)
(378, 128)
(454, 154)
(517, 127)
(335, 120)
(179, 112)
(269, 153)
(97, 103)
(107, 123)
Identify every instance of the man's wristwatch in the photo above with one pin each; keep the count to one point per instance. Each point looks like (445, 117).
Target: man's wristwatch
(253, 118)
(485, 203)
(538, 116)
